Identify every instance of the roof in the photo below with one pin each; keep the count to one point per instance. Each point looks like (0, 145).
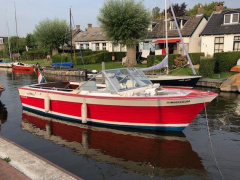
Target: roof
(215, 24)
(187, 30)
(91, 34)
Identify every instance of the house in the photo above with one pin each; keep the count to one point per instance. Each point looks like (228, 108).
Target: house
(94, 38)
(2, 41)
(190, 27)
(222, 32)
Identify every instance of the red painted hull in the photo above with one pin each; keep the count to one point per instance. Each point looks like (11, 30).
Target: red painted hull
(23, 68)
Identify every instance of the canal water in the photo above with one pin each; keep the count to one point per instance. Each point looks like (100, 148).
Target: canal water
(93, 152)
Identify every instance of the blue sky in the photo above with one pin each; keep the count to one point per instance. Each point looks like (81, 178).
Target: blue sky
(30, 12)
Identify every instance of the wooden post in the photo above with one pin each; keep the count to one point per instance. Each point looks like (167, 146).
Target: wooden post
(103, 68)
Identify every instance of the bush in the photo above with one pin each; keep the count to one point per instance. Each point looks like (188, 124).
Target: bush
(119, 55)
(59, 58)
(195, 57)
(34, 54)
(226, 60)
(207, 67)
(152, 58)
(92, 59)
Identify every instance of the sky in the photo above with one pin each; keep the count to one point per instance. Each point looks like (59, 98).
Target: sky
(30, 12)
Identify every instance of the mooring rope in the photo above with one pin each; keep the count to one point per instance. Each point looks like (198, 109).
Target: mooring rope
(210, 139)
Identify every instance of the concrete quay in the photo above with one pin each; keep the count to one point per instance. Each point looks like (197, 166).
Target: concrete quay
(214, 83)
(26, 165)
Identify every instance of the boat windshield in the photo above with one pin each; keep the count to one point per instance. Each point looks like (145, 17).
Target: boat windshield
(125, 79)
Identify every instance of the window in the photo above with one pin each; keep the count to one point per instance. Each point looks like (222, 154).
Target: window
(231, 18)
(97, 46)
(1, 40)
(87, 46)
(81, 46)
(236, 43)
(173, 25)
(218, 46)
(104, 46)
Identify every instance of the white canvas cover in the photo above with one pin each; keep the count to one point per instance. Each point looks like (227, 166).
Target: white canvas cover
(145, 53)
(162, 64)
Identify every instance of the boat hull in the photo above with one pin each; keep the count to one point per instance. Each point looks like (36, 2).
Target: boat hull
(141, 113)
(5, 65)
(184, 81)
(23, 68)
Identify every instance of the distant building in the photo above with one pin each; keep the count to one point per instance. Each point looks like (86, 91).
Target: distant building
(222, 32)
(94, 38)
(2, 41)
(190, 27)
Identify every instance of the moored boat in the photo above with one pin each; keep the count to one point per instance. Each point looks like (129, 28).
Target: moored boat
(128, 99)
(5, 64)
(23, 66)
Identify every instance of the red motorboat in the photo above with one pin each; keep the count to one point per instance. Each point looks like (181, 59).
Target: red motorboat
(23, 66)
(128, 99)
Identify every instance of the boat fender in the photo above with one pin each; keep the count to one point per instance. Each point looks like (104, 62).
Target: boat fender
(47, 104)
(84, 112)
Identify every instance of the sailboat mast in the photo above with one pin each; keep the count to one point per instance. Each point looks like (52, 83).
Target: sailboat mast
(71, 33)
(16, 25)
(9, 45)
(166, 28)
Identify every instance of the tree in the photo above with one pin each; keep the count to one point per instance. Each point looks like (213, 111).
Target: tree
(17, 44)
(179, 10)
(208, 8)
(156, 13)
(125, 22)
(30, 41)
(51, 34)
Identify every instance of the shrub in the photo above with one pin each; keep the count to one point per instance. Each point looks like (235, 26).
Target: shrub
(226, 60)
(119, 55)
(195, 57)
(92, 59)
(34, 54)
(59, 58)
(180, 61)
(207, 67)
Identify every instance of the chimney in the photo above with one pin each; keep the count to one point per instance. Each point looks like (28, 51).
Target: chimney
(200, 10)
(219, 7)
(89, 25)
(77, 27)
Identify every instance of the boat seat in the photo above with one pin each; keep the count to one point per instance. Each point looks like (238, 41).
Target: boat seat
(89, 86)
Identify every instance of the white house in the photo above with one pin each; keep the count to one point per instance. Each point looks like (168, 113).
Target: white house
(222, 32)
(93, 38)
(190, 27)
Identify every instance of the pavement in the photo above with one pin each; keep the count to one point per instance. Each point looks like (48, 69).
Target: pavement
(25, 165)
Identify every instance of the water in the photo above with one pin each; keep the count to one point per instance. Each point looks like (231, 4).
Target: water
(102, 153)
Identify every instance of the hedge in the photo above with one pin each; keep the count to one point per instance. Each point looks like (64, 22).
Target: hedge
(59, 58)
(152, 58)
(35, 54)
(207, 67)
(195, 57)
(226, 60)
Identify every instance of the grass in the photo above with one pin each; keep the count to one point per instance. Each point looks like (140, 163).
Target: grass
(113, 65)
(108, 65)
(7, 159)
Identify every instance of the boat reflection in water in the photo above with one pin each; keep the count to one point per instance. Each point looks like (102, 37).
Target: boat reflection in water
(3, 114)
(144, 153)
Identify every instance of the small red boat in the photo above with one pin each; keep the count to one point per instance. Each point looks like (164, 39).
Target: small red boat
(23, 66)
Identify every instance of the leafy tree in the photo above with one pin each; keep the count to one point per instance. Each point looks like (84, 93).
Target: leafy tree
(179, 9)
(156, 13)
(208, 8)
(17, 44)
(125, 22)
(30, 41)
(52, 34)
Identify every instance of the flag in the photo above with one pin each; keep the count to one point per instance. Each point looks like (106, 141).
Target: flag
(40, 77)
